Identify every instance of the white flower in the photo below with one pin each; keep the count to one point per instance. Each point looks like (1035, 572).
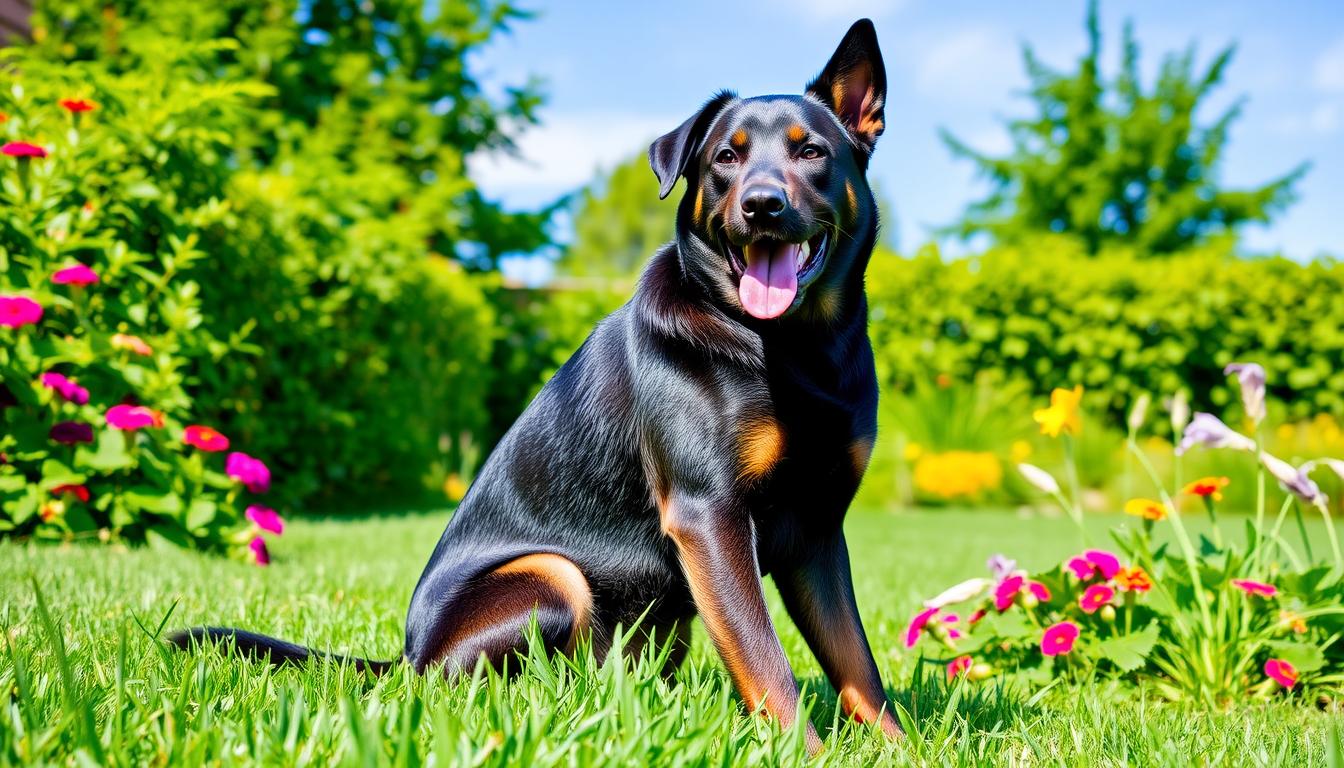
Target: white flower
(1139, 412)
(1039, 478)
(966, 590)
(1179, 405)
(1251, 377)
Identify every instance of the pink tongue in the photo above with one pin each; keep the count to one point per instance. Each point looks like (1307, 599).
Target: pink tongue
(771, 280)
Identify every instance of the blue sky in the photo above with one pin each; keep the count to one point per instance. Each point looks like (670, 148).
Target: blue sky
(620, 73)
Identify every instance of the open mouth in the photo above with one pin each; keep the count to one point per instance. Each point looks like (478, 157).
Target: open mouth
(770, 271)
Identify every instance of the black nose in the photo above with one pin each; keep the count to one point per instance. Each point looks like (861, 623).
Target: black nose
(767, 200)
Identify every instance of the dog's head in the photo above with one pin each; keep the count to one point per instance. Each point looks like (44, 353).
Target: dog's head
(777, 213)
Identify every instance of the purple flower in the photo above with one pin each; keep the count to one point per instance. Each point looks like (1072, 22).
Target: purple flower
(1209, 431)
(67, 389)
(1001, 566)
(1251, 377)
(266, 519)
(252, 473)
(1295, 480)
(71, 432)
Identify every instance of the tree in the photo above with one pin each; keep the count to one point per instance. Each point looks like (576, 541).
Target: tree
(1113, 162)
(619, 222)
(378, 95)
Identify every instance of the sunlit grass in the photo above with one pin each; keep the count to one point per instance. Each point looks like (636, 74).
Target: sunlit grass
(92, 682)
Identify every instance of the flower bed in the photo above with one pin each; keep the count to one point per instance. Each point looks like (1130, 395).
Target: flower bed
(1216, 620)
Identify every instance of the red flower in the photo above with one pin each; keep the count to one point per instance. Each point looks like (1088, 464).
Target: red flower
(1133, 579)
(77, 106)
(259, 551)
(23, 149)
(78, 491)
(1059, 638)
(71, 432)
(17, 311)
(77, 274)
(1281, 672)
(132, 417)
(958, 666)
(1207, 487)
(67, 389)
(1094, 597)
(205, 438)
(3, 117)
(266, 519)
(1255, 588)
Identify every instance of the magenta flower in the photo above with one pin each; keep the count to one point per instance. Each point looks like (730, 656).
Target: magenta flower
(958, 666)
(917, 625)
(1094, 597)
(132, 417)
(1006, 592)
(1209, 431)
(66, 388)
(17, 311)
(23, 149)
(1059, 638)
(71, 432)
(75, 275)
(266, 519)
(1093, 563)
(252, 473)
(1281, 672)
(259, 551)
(1255, 588)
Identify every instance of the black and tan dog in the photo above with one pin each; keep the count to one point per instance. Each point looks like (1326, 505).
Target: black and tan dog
(711, 431)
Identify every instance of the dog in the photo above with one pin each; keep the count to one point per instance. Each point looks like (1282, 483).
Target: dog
(710, 432)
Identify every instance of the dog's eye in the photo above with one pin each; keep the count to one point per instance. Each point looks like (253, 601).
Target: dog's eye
(810, 152)
(726, 157)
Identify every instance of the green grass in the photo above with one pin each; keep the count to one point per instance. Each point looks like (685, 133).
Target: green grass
(91, 685)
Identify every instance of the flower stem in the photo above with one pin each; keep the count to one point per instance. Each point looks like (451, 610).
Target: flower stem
(1334, 540)
(1182, 537)
(1072, 466)
(1213, 521)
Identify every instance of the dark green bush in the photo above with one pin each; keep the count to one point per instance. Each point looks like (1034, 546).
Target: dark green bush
(1119, 324)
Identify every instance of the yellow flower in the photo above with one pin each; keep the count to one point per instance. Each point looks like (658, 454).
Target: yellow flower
(454, 488)
(913, 451)
(1148, 509)
(1062, 415)
(1020, 452)
(1208, 487)
(957, 474)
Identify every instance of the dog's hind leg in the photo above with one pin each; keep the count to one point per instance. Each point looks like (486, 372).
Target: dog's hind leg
(489, 618)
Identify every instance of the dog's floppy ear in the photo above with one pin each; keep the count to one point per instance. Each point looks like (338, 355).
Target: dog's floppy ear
(854, 84)
(670, 154)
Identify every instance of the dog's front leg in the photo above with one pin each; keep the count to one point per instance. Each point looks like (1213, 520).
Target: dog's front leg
(717, 548)
(819, 595)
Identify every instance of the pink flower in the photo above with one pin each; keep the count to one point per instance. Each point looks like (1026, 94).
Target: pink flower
(205, 438)
(1038, 591)
(1059, 638)
(917, 625)
(133, 417)
(75, 275)
(252, 473)
(66, 388)
(259, 551)
(1255, 588)
(978, 615)
(1093, 563)
(1281, 672)
(71, 432)
(1006, 592)
(16, 311)
(23, 149)
(958, 666)
(1094, 597)
(266, 519)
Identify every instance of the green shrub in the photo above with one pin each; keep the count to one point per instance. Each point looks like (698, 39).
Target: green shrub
(1119, 324)
(125, 193)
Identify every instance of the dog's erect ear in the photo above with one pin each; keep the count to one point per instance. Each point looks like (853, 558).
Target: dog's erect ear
(854, 84)
(670, 154)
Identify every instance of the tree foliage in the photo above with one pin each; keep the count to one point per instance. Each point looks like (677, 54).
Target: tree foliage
(1113, 162)
(619, 222)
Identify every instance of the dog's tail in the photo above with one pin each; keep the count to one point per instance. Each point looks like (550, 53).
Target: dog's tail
(277, 652)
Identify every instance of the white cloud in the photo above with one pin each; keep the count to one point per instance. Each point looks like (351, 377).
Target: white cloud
(977, 64)
(1328, 73)
(565, 152)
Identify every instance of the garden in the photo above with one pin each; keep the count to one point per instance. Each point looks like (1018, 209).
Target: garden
(255, 340)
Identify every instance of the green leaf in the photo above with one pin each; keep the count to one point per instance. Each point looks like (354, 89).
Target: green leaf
(1303, 657)
(147, 499)
(108, 455)
(201, 513)
(1127, 652)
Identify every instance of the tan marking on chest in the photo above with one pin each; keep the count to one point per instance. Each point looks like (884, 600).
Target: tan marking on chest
(759, 448)
(860, 452)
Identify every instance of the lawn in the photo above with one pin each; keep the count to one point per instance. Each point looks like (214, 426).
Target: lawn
(107, 693)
